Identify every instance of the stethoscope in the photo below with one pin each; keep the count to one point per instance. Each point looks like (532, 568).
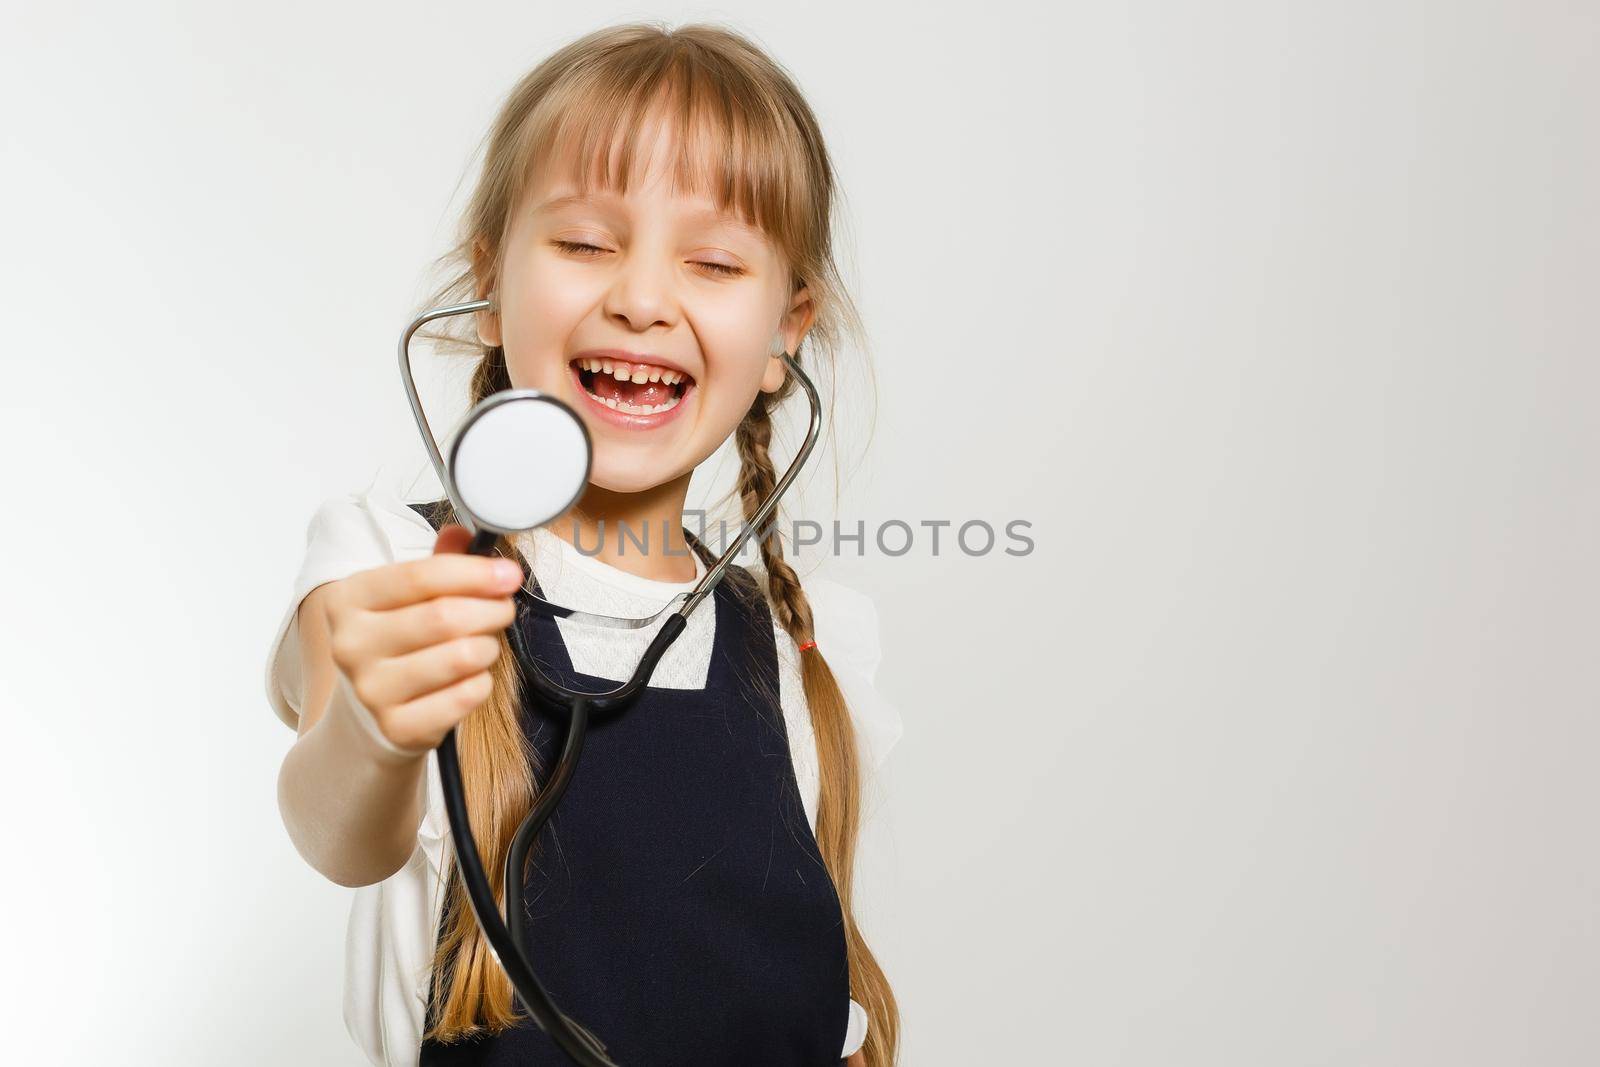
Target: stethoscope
(519, 459)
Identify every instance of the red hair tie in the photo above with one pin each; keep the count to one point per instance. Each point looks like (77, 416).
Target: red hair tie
(808, 644)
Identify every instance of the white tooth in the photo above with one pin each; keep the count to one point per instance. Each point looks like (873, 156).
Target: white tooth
(640, 376)
(636, 409)
(620, 372)
(655, 374)
(605, 365)
(671, 377)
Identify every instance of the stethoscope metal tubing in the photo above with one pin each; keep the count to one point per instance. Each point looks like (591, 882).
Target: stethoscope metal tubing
(714, 575)
(421, 416)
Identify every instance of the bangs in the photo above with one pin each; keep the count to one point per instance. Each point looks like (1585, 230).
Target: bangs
(730, 138)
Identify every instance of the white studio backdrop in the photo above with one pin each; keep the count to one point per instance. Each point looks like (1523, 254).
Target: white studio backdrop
(1275, 320)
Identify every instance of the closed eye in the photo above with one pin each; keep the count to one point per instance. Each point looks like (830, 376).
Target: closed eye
(577, 247)
(589, 251)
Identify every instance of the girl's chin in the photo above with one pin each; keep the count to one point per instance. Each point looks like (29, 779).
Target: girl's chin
(621, 474)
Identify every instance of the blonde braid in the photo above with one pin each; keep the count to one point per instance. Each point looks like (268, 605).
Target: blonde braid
(839, 805)
(757, 476)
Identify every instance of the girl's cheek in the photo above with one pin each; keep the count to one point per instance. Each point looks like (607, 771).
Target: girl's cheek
(546, 315)
(555, 294)
(735, 381)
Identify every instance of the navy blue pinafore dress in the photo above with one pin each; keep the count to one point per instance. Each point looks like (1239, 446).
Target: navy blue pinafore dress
(678, 906)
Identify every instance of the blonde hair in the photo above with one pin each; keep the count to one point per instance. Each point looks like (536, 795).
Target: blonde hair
(747, 139)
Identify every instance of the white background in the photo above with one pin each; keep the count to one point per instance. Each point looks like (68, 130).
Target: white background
(1276, 320)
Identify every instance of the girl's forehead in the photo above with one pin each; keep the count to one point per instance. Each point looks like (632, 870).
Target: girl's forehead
(557, 200)
(652, 166)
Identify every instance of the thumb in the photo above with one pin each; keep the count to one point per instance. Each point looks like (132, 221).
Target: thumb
(453, 538)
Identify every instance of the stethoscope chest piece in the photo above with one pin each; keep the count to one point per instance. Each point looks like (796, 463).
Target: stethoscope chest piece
(519, 459)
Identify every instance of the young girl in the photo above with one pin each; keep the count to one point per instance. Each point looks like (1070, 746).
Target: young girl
(652, 226)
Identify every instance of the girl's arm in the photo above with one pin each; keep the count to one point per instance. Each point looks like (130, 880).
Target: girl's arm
(351, 804)
(393, 658)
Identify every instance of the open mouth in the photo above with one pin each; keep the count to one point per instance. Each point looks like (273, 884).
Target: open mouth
(632, 388)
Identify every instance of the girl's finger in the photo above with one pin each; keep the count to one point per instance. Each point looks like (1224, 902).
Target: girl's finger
(397, 585)
(384, 634)
(391, 682)
(453, 538)
(423, 722)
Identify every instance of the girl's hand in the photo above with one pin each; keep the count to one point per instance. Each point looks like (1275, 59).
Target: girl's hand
(858, 1058)
(414, 641)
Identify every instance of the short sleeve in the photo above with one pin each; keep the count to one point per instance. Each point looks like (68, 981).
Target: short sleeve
(845, 624)
(346, 534)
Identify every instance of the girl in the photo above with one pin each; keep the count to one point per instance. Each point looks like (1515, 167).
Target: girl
(652, 226)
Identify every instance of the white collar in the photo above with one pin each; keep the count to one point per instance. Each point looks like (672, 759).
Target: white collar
(549, 549)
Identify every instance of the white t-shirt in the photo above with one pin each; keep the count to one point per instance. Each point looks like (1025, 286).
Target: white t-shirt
(393, 924)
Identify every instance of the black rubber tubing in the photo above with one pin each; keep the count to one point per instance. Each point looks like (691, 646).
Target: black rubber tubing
(510, 943)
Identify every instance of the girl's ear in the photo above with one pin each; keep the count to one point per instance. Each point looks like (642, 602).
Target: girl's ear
(488, 322)
(796, 324)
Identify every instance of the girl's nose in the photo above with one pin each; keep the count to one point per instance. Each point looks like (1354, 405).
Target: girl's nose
(642, 295)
